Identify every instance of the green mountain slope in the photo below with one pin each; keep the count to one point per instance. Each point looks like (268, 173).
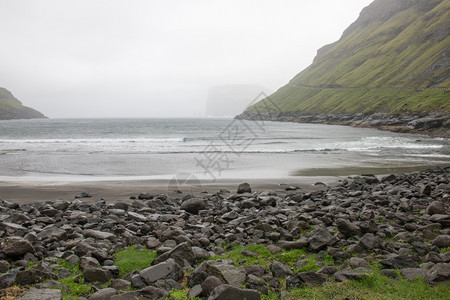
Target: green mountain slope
(11, 108)
(394, 59)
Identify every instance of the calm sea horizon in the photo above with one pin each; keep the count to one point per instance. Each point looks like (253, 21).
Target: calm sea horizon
(209, 148)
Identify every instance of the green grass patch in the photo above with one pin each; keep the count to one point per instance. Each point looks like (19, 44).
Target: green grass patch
(264, 257)
(445, 250)
(180, 295)
(292, 256)
(131, 259)
(374, 286)
(74, 282)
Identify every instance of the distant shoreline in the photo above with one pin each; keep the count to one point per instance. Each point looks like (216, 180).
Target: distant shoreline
(25, 190)
(432, 124)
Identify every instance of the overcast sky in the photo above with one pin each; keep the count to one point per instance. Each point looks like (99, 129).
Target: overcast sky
(123, 58)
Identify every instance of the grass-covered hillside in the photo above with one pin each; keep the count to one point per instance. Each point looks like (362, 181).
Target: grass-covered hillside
(11, 108)
(393, 59)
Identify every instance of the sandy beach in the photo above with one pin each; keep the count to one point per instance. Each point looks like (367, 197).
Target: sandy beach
(28, 191)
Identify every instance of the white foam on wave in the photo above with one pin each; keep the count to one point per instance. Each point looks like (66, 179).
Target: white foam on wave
(92, 141)
(379, 143)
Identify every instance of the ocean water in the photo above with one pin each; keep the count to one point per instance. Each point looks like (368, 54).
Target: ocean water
(209, 148)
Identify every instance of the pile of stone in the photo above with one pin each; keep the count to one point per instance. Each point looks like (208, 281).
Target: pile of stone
(399, 221)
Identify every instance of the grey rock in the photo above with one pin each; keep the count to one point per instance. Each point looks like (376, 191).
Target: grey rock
(412, 273)
(198, 276)
(274, 249)
(229, 292)
(327, 270)
(53, 232)
(244, 188)
(349, 275)
(400, 262)
(88, 262)
(73, 259)
(34, 275)
(145, 196)
(200, 254)
(120, 284)
(193, 205)
(195, 291)
(154, 293)
(103, 294)
(442, 241)
(152, 243)
(14, 246)
(279, 270)
(127, 296)
(97, 275)
(223, 270)
(137, 216)
(230, 215)
(168, 285)
(8, 279)
(4, 266)
(369, 241)
(347, 228)
(444, 220)
(356, 262)
(425, 190)
(182, 254)
(83, 195)
(388, 273)
(446, 257)
(355, 248)
(435, 207)
(320, 238)
(439, 273)
(312, 278)
(255, 283)
(64, 273)
(433, 257)
(97, 234)
(255, 270)
(52, 284)
(61, 204)
(288, 245)
(210, 284)
(82, 248)
(137, 282)
(168, 269)
(42, 294)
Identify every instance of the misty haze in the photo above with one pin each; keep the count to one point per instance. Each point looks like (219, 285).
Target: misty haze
(224, 149)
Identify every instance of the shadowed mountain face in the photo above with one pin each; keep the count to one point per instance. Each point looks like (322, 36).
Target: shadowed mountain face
(230, 100)
(11, 108)
(393, 60)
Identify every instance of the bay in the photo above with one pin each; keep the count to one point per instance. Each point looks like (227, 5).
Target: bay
(210, 148)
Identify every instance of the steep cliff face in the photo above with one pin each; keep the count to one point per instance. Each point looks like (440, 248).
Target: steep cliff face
(394, 43)
(11, 108)
(394, 60)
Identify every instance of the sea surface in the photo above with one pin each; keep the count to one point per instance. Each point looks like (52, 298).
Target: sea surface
(208, 148)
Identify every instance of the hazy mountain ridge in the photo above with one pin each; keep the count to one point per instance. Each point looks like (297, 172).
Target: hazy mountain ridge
(11, 108)
(229, 100)
(391, 64)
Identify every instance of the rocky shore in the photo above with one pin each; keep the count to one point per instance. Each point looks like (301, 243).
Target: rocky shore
(213, 245)
(435, 123)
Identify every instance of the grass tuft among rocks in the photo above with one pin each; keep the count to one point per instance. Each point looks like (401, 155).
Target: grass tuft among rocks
(132, 259)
